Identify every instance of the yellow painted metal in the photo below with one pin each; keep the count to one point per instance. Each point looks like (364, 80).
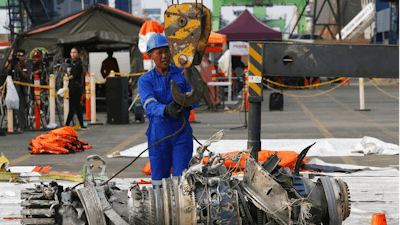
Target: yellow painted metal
(187, 29)
(255, 55)
(186, 52)
(4, 163)
(256, 88)
(10, 177)
(205, 34)
(177, 10)
(254, 69)
(61, 177)
(184, 33)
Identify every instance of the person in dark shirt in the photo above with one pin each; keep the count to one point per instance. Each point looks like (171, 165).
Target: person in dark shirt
(110, 63)
(75, 88)
(21, 71)
(40, 67)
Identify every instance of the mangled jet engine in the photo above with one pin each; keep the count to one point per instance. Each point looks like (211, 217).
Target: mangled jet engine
(205, 194)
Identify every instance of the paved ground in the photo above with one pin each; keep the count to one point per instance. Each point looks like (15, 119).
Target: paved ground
(330, 115)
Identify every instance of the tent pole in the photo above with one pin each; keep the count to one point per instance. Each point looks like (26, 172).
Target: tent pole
(230, 79)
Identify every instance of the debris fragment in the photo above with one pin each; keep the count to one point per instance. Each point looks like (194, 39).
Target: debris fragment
(237, 160)
(142, 182)
(60, 176)
(4, 163)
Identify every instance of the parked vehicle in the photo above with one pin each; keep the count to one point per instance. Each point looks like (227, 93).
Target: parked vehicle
(306, 36)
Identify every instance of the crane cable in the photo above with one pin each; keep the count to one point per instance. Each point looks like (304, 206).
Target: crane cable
(158, 142)
(182, 117)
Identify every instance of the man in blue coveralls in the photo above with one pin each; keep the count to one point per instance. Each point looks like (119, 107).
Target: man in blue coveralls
(162, 113)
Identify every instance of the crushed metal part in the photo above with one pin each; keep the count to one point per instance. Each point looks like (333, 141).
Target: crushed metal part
(204, 194)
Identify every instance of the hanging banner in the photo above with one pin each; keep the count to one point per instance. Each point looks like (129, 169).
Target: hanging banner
(239, 48)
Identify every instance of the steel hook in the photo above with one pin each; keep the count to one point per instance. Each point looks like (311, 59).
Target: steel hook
(195, 80)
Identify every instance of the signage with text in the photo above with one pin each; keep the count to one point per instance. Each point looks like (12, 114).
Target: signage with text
(239, 48)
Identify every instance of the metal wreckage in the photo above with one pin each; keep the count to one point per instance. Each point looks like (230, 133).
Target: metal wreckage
(204, 194)
(267, 193)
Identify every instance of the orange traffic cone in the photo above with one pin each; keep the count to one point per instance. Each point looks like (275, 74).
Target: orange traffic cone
(192, 117)
(246, 92)
(378, 219)
(347, 80)
(214, 74)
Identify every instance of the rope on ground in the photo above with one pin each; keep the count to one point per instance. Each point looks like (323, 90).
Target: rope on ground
(131, 74)
(58, 101)
(2, 95)
(385, 82)
(32, 85)
(238, 108)
(382, 90)
(306, 86)
(3, 85)
(100, 82)
(122, 74)
(306, 96)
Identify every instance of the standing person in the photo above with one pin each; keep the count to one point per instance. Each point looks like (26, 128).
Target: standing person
(37, 69)
(75, 88)
(110, 63)
(21, 71)
(162, 112)
(83, 54)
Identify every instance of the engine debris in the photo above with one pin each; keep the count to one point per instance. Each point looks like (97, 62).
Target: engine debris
(205, 194)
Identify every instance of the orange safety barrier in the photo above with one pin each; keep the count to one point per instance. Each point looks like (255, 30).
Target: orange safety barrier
(87, 91)
(378, 219)
(288, 159)
(37, 102)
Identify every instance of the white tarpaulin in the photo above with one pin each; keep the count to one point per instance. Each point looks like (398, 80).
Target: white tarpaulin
(12, 99)
(239, 48)
(224, 63)
(323, 147)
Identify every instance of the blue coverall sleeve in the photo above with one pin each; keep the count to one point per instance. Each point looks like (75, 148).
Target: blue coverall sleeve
(148, 98)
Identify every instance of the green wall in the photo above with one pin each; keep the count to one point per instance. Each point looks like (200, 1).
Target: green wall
(258, 10)
(277, 23)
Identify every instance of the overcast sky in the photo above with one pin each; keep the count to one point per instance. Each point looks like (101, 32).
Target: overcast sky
(274, 12)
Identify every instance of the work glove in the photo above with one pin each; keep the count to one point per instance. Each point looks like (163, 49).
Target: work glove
(170, 110)
(187, 108)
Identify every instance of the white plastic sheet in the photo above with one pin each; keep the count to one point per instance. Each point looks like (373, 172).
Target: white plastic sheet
(12, 99)
(224, 63)
(323, 146)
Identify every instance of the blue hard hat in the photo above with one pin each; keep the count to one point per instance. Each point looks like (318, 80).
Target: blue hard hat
(156, 41)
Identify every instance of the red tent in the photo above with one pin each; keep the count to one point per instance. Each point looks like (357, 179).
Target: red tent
(247, 27)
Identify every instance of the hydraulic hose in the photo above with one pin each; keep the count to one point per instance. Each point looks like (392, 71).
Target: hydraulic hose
(158, 142)
(182, 117)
